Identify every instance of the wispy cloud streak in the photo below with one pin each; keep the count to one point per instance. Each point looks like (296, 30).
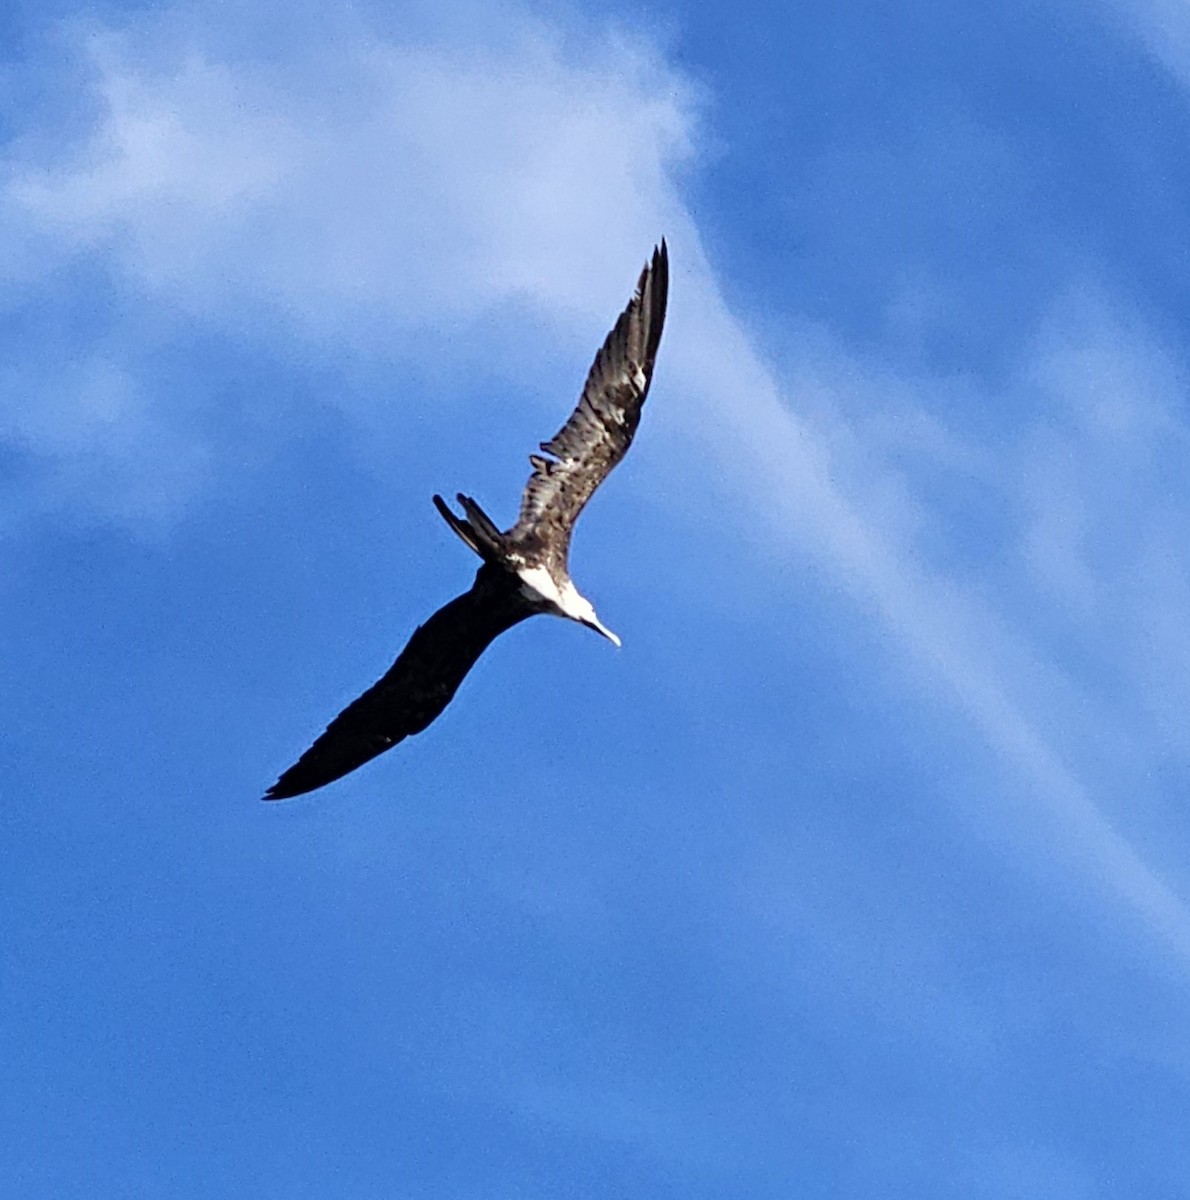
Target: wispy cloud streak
(784, 473)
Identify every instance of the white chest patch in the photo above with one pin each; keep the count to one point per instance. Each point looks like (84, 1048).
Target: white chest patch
(538, 584)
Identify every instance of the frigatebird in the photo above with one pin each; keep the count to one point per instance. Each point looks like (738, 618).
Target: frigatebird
(524, 570)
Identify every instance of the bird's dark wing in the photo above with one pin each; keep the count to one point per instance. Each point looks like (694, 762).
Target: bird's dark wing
(417, 687)
(601, 428)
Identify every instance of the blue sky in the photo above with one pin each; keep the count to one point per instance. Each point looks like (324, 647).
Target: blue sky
(861, 870)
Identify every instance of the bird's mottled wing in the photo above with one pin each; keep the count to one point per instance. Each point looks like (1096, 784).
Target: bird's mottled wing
(601, 428)
(418, 686)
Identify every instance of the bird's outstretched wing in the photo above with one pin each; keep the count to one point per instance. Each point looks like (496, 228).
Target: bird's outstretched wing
(601, 428)
(417, 687)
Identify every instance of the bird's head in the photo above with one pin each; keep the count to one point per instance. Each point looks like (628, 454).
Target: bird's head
(578, 608)
(573, 604)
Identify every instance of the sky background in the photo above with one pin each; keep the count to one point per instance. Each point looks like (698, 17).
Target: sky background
(863, 869)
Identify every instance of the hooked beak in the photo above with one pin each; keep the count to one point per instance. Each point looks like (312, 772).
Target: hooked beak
(599, 627)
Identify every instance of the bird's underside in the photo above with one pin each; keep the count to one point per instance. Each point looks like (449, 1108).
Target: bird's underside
(524, 571)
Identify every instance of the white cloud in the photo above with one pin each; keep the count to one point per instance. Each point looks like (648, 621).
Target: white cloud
(435, 182)
(361, 199)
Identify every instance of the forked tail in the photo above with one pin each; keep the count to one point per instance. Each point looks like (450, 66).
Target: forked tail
(477, 529)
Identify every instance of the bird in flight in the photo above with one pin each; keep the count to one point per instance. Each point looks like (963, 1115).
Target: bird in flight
(524, 570)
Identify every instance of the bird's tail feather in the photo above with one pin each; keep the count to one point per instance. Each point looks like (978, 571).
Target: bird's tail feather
(478, 530)
(482, 524)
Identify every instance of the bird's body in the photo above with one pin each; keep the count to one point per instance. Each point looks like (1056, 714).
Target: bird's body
(525, 568)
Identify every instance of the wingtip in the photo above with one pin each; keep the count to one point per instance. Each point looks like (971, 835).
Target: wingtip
(287, 787)
(660, 263)
(282, 791)
(657, 267)
(654, 297)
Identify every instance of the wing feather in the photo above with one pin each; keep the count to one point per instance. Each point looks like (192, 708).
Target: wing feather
(601, 428)
(416, 688)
